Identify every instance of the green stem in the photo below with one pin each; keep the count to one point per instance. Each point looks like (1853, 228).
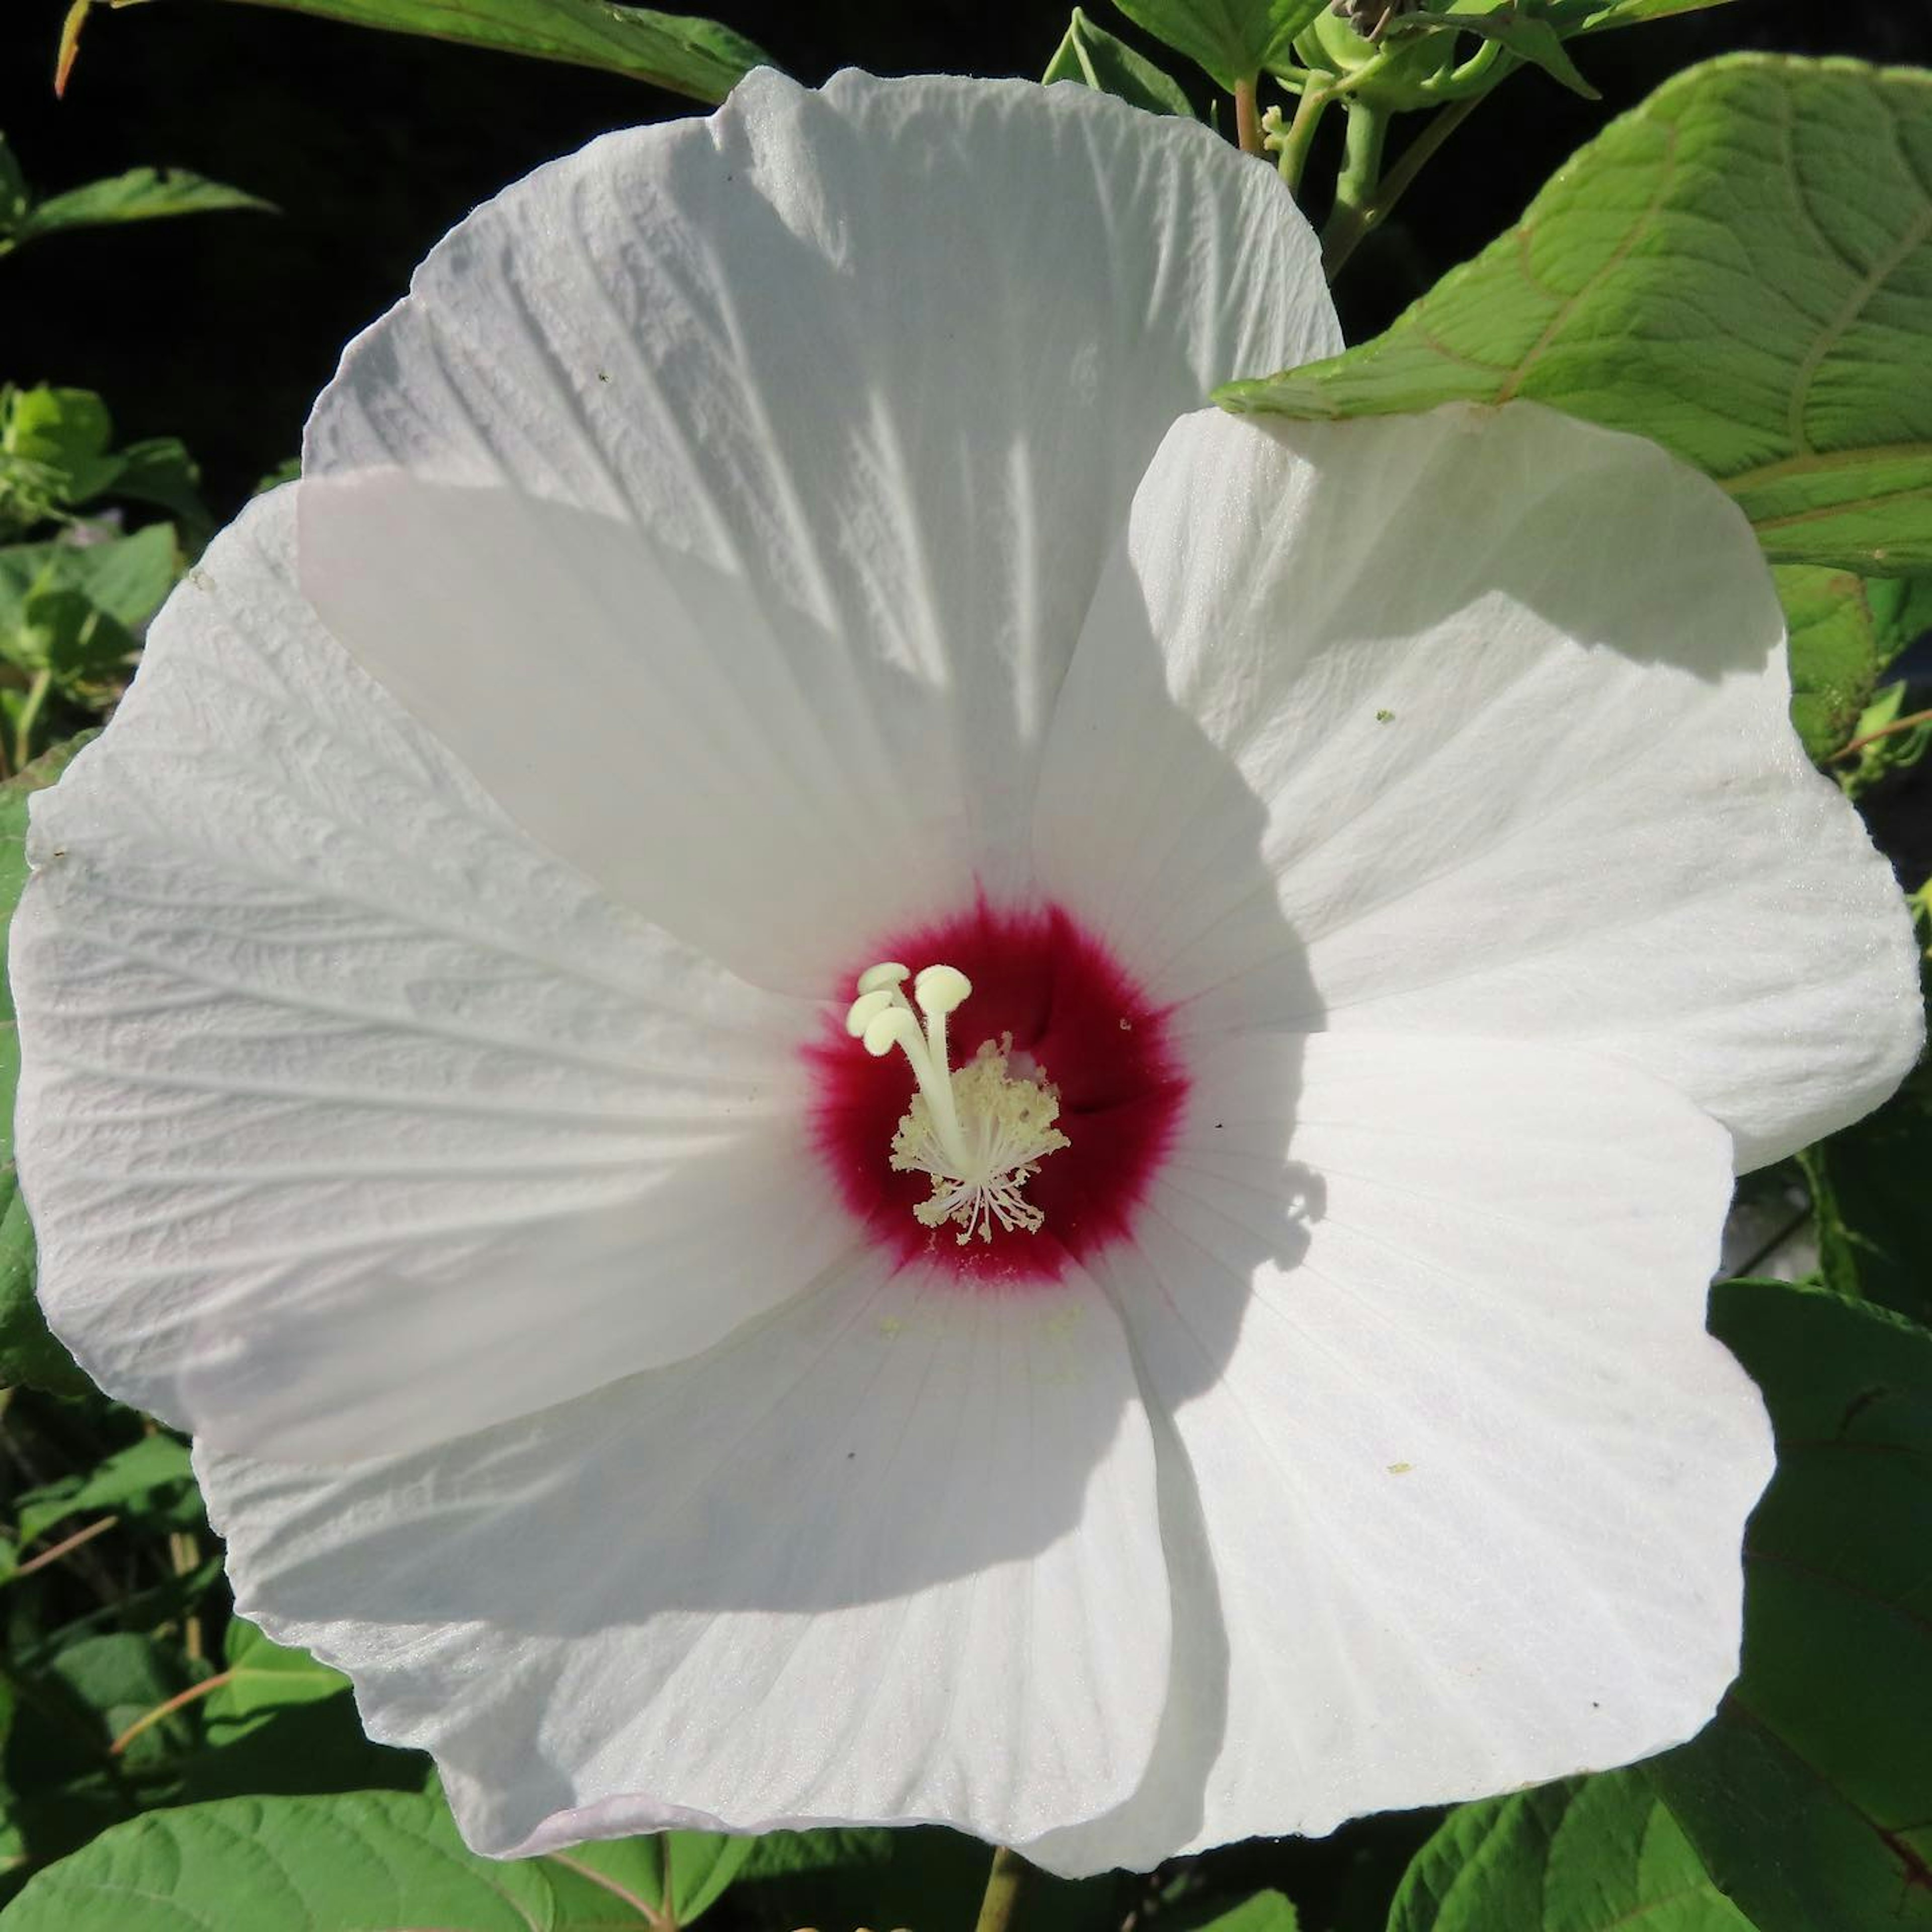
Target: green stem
(1247, 115)
(1004, 1881)
(1299, 138)
(1911, 722)
(30, 708)
(1355, 187)
(1337, 246)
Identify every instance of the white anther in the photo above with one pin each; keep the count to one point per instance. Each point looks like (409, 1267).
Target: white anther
(940, 990)
(882, 977)
(867, 1006)
(894, 1026)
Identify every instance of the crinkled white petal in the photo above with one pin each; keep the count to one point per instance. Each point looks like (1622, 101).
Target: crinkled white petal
(891, 1554)
(1464, 1479)
(1476, 724)
(875, 371)
(351, 1119)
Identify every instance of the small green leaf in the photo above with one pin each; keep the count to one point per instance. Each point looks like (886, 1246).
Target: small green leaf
(64, 435)
(150, 1478)
(1592, 17)
(1845, 631)
(1741, 269)
(340, 1864)
(126, 578)
(1097, 60)
(1529, 37)
(677, 52)
(1809, 1795)
(279, 1723)
(141, 194)
(1230, 40)
(1586, 1855)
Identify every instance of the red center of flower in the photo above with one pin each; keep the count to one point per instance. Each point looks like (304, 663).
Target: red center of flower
(1077, 1021)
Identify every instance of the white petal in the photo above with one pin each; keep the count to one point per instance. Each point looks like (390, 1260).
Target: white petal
(1498, 701)
(891, 1554)
(352, 1120)
(881, 366)
(1469, 1477)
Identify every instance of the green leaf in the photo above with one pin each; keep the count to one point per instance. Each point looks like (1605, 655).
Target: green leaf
(141, 194)
(1741, 269)
(1845, 631)
(1097, 60)
(1869, 1189)
(126, 578)
(345, 1863)
(1231, 40)
(29, 1353)
(63, 434)
(682, 54)
(149, 1478)
(279, 1722)
(159, 470)
(65, 1781)
(1591, 16)
(1265, 1912)
(1529, 37)
(1809, 1795)
(1584, 1856)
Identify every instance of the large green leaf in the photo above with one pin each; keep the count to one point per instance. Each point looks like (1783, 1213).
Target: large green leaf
(141, 194)
(1586, 1855)
(1231, 40)
(678, 52)
(352, 1863)
(1809, 1795)
(1741, 269)
(1096, 59)
(29, 1353)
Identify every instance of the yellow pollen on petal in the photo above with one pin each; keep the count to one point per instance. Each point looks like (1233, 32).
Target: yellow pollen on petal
(980, 1134)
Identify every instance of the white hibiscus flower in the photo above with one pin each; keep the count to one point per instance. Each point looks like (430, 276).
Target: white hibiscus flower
(1381, 892)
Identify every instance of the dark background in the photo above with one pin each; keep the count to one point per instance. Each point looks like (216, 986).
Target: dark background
(220, 329)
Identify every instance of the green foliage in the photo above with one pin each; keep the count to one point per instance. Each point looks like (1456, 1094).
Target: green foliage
(1231, 41)
(1741, 269)
(149, 1477)
(1586, 1855)
(1871, 1187)
(277, 1722)
(678, 52)
(1530, 37)
(345, 1863)
(1845, 632)
(1592, 17)
(29, 1353)
(141, 194)
(1810, 1796)
(1096, 59)
(1265, 1912)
